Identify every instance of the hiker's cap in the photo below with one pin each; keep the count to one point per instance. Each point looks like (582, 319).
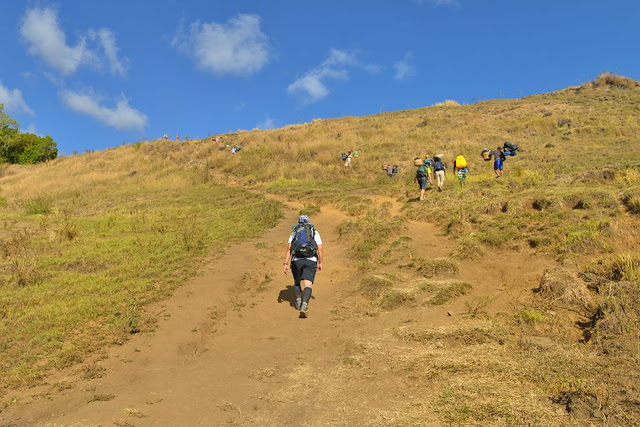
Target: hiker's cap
(303, 219)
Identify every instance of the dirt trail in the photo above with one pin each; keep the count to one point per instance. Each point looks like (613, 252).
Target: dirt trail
(229, 347)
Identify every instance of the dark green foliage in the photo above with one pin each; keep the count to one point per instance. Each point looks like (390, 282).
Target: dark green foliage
(23, 148)
(26, 148)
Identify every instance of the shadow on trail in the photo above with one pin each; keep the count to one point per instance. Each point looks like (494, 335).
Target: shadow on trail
(287, 295)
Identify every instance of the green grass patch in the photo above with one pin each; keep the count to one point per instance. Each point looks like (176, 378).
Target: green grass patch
(530, 317)
(73, 284)
(368, 234)
(587, 235)
(40, 205)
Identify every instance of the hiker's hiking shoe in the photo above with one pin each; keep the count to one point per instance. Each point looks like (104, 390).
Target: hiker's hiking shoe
(303, 310)
(421, 198)
(298, 304)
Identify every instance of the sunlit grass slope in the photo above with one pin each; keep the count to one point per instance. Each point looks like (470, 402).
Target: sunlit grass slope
(577, 173)
(87, 241)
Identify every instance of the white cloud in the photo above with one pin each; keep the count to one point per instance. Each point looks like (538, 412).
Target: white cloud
(122, 117)
(403, 68)
(313, 85)
(46, 40)
(340, 57)
(237, 47)
(13, 101)
(268, 123)
(108, 41)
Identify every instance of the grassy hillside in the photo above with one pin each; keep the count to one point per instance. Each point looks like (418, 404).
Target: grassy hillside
(576, 173)
(89, 240)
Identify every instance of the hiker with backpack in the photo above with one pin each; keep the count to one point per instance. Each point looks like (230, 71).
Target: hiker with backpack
(460, 169)
(498, 161)
(421, 176)
(349, 157)
(304, 257)
(439, 168)
(429, 164)
(390, 170)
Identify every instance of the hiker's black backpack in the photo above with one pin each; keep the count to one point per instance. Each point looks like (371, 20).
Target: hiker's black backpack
(509, 146)
(304, 243)
(422, 172)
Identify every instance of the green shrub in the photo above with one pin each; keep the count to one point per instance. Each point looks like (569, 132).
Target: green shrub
(530, 317)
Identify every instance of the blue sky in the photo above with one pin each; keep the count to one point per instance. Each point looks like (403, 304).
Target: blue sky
(95, 74)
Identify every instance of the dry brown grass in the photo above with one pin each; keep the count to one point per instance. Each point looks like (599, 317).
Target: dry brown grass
(615, 80)
(559, 283)
(562, 195)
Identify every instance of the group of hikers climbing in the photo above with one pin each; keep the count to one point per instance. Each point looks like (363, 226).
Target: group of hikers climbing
(427, 167)
(304, 254)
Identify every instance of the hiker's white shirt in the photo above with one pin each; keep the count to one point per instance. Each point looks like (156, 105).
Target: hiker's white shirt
(318, 240)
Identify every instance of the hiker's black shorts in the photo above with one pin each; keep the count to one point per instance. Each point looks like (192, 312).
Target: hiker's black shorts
(304, 269)
(422, 180)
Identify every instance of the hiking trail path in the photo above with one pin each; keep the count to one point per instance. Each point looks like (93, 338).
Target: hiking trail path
(229, 348)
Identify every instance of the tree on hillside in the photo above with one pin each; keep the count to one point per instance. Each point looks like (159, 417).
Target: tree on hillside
(23, 148)
(6, 121)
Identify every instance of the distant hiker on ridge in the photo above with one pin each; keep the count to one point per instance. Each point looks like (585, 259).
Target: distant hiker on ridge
(304, 256)
(178, 138)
